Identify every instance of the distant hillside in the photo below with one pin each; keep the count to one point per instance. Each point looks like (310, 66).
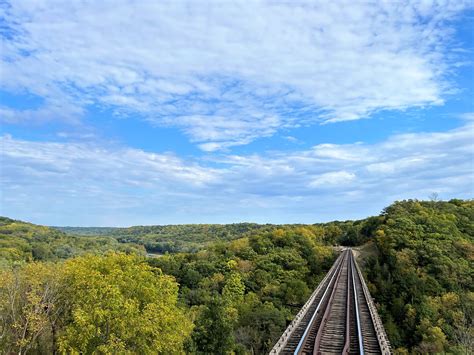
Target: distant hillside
(25, 241)
(173, 238)
(88, 231)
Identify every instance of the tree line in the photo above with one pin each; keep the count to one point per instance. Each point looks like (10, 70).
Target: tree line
(237, 292)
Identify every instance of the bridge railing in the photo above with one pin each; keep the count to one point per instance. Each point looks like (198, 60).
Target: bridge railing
(281, 343)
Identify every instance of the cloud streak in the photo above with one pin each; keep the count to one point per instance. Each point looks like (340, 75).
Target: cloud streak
(227, 73)
(90, 184)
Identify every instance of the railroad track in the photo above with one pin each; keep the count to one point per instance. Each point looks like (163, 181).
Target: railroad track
(339, 318)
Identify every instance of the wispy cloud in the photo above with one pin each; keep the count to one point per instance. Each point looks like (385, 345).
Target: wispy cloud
(89, 162)
(227, 73)
(90, 184)
(62, 111)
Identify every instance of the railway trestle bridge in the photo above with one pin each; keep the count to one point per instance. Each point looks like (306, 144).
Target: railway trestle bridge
(339, 318)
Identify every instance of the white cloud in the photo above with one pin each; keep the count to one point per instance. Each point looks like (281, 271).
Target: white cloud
(228, 73)
(225, 131)
(90, 184)
(332, 178)
(50, 112)
(64, 164)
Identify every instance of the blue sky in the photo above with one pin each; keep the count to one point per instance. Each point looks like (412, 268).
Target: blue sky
(117, 113)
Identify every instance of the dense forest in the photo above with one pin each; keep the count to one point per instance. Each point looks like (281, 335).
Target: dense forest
(30, 242)
(422, 274)
(231, 288)
(172, 238)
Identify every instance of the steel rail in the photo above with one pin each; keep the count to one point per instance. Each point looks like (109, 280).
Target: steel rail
(311, 321)
(319, 334)
(347, 343)
(359, 328)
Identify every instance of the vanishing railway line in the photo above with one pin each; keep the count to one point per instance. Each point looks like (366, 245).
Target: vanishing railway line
(339, 317)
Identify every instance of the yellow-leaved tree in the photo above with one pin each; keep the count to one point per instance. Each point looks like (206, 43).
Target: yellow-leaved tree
(120, 304)
(115, 303)
(29, 308)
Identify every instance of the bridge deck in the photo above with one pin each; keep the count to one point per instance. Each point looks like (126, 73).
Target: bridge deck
(339, 318)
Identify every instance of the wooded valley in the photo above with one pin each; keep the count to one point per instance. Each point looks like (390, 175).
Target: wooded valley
(226, 289)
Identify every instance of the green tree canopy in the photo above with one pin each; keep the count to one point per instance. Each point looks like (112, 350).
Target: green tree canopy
(118, 303)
